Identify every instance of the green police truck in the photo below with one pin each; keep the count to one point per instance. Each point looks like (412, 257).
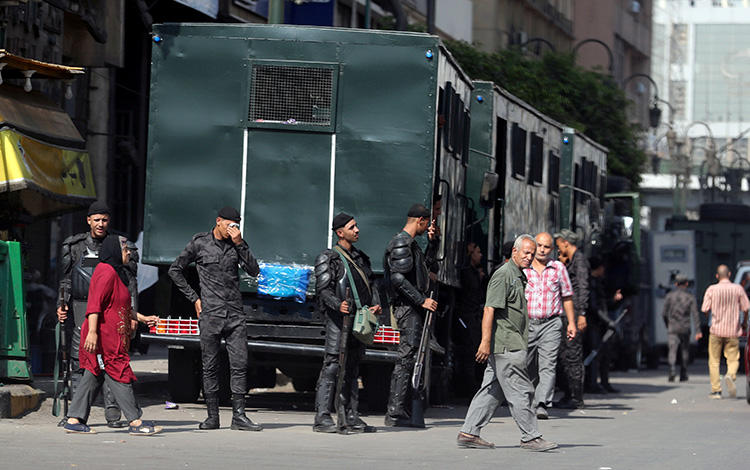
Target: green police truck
(293, 124)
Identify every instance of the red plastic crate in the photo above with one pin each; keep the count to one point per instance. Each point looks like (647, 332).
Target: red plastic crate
(176, 326)
(387, 335)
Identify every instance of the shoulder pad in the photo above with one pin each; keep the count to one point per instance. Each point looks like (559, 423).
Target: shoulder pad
(323, 271)
(73, 239)
(400, 259)
(199, 235)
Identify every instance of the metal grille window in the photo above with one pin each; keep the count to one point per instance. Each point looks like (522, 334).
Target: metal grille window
(285, 96)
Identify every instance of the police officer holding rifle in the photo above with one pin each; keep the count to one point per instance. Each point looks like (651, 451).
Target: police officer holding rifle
(342, 350)
(408, 279)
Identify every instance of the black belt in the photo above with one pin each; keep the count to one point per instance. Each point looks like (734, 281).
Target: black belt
(541, 321)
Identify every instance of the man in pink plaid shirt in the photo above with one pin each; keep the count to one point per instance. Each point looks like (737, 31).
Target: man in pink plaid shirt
(548, 294)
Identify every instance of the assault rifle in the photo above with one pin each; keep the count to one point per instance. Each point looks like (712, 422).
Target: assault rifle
(607, 336)
(342, 425)
(62, 358)
(418, 375)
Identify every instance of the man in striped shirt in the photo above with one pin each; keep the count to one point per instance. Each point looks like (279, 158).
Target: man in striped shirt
(725, 300)
(548, 294)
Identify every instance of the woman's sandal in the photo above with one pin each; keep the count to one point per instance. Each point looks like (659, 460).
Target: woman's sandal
(146, 428)
(78, 428)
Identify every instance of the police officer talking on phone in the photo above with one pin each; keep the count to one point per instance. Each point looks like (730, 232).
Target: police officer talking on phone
(217, 253)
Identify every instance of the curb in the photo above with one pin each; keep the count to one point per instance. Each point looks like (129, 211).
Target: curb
(17, 400)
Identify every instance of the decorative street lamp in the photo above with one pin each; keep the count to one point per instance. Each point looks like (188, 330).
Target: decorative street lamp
(602, 43)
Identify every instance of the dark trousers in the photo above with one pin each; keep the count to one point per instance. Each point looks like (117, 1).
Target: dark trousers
(72, 327)
(89, 387)
(599, 367)
(410, 326)
(678, 341)
(233, 330)
(325, 390)
(571, 361)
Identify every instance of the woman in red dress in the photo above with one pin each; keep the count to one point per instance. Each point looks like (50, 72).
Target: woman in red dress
(104, 353)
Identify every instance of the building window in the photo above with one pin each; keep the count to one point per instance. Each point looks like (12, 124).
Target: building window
(518, 151)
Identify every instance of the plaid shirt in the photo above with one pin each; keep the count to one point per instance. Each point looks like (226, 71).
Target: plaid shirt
(544, 292)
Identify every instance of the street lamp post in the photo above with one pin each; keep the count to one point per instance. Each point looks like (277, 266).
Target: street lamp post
(538, 40)
(654, 113)
(602, 43)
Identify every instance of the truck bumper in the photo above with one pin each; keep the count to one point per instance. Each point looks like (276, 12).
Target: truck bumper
(299, 349)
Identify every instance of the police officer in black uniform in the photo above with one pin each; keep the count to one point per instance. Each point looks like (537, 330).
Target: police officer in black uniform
(331, 283)
(217, 253)
(407, 275)
(79, 256)
(571, 351)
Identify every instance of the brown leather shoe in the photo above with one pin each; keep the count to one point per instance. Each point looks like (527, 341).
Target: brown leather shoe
(469, 441)
(538, 445)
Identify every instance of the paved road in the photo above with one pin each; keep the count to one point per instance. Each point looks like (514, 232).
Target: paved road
(650, 424)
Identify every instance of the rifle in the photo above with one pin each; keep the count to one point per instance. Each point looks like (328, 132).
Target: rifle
(417, 377)
(342, 426)
(607, 336)
(62, 356)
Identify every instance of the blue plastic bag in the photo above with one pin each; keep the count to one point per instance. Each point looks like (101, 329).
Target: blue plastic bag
(284, 281)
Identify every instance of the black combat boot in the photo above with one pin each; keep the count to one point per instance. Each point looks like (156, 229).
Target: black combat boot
(357, 424)
(212, 422)
(239, 420)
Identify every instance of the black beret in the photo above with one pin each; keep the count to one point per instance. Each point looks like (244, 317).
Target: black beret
(340, 220)
(229, 213)
(418, 210)
(98, 207)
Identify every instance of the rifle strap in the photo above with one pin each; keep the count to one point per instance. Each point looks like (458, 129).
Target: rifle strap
(351, 278)
(345, 257)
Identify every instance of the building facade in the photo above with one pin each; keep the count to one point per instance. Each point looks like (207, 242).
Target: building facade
(499, 24)
(624, 27)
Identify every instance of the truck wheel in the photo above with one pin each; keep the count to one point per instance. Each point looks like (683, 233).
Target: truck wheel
(376, 379)
(184, 374)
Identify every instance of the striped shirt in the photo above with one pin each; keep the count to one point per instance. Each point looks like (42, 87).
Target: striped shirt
(725, 300)
(544, 292)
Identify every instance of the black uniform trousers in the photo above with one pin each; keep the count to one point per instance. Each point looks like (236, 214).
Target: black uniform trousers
(571, 362)
(410, 324)
(233, 330)
(325, 390)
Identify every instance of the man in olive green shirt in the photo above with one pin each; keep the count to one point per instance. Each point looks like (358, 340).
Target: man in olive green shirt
(504, 339)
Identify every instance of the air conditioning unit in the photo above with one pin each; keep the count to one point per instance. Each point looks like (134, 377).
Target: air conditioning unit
(635, 7)
(520, 37)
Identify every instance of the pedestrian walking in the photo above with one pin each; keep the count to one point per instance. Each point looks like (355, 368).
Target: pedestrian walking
(331, 284)
(407, 277)
(503, 347)
(549, 296)
(217, 253)
(104, 355)
(571, 351)
(679, 309)
(728, 305)
(79, 256)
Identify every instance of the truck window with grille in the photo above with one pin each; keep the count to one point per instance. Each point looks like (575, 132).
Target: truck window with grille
(553, 177)
(292, 95)
(518, 150)
(536, 160)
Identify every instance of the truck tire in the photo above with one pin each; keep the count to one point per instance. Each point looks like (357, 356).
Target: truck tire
(376, 379)
(184, 375)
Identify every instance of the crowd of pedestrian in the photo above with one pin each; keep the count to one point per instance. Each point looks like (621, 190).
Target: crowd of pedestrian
(528, 324)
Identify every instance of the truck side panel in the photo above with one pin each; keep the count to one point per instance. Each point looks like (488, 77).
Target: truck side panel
(194, 123)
